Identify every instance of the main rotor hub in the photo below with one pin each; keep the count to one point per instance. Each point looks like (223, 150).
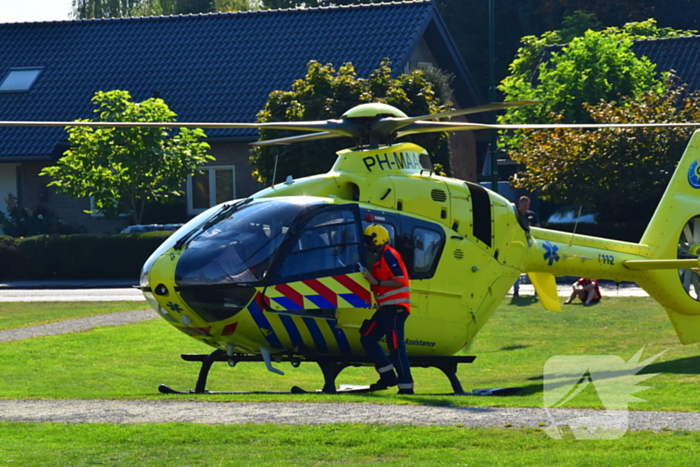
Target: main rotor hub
(373, 110)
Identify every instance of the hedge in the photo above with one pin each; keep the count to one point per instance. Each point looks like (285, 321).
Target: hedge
(66, 257)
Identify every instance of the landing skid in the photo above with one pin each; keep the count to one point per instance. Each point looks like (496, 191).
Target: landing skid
(164, 389)
(330, 366)
(343, 389)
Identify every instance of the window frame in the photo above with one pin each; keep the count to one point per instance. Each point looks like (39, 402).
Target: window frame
(38, 69)
(405, 239)
(430, 271)
(211, 171)
(286, 249)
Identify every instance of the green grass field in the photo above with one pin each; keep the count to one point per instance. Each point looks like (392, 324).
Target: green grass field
(21, 315)
(268, 445)
(128, 362)
(131, 361)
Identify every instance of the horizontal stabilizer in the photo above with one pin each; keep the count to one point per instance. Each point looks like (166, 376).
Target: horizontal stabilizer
(646, 264)
(546, 289)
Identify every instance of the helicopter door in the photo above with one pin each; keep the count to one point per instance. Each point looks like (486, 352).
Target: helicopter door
(319, 274)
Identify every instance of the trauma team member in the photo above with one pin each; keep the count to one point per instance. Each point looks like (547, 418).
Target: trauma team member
(392, 293)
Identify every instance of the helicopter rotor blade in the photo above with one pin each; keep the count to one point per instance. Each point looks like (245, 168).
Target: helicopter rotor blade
(472, 110)
(132, 124)
(297, 139)
(341, 127)
(391, 124)
(432, 127)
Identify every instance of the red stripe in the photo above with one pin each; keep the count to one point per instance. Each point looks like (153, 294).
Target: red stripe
(355, 288)
(394, 340)
(291, 294)
(323, 291)
(259, 300)
(371, 326)
(229, 329)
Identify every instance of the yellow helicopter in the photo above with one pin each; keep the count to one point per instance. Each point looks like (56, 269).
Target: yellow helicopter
(276, 276)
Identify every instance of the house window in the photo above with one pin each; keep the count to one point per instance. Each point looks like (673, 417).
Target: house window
(19, 79)
(214, 185)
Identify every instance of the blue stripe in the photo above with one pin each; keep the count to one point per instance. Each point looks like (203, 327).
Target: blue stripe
(316, 334)
(319, 301)
(262, 322)
(287, 303)
(354, 300)
(292, 330)
(340, 337)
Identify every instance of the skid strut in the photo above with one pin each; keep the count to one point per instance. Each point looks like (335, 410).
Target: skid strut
(331, 367)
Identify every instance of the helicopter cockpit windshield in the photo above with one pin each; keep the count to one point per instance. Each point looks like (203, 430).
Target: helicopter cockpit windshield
(240, 246)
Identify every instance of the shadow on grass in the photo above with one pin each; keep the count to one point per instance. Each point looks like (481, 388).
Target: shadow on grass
(515, 347)
(523, 301)
(681, 366)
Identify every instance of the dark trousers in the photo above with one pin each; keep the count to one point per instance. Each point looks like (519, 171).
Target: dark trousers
(387, 322)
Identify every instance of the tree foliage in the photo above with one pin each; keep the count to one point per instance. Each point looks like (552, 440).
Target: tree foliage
(620, 173)
(325, 93)
(594, 66)
(125, 168)
(600, 65)
(89, 9)
(530, 54)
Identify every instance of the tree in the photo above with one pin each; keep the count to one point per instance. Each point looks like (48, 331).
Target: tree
(325, 93)
(530, 55)
(122, 169)
(620, 173)
(598, 65)
(89, 9)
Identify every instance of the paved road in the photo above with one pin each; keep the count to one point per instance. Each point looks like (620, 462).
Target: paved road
(70, 295)
(229, 413)
(78, 324)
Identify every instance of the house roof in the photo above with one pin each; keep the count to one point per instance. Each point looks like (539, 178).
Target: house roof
(680, 54)
(213, 67)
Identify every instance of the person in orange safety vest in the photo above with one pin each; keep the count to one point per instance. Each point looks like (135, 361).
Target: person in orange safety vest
(389, 280)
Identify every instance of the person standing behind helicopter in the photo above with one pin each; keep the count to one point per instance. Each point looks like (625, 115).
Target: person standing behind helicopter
(389, 280)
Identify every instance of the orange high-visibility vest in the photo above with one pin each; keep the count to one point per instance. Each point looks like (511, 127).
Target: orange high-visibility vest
(382, 272)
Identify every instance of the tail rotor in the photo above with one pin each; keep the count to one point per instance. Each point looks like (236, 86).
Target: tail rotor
(688, 248)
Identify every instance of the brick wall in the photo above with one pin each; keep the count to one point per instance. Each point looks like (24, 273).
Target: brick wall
(34, 192)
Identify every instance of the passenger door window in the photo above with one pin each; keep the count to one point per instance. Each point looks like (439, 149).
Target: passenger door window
(427, 245)
(329, 244)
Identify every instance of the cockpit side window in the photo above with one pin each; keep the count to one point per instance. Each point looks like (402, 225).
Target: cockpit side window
(427, 245)
(328, 244)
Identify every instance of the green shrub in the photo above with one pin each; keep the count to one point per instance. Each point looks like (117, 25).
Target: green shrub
(46, 257)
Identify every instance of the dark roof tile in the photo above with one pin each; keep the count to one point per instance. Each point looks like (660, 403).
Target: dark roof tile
(681, 54)
(213, 67)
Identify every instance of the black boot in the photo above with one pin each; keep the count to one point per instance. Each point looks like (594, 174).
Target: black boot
(387, 379)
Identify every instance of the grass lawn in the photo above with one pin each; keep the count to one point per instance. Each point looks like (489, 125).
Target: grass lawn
(186, 444)
(131, 361)
(21, 315)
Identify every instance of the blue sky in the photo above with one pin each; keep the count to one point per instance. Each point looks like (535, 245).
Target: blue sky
(14, 11)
